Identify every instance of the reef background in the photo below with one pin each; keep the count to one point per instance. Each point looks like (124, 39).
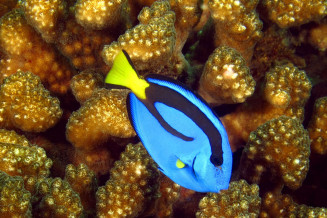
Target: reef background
(67, 148)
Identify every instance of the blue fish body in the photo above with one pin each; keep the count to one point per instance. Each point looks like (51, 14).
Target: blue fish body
(179, 130)
(199, 174)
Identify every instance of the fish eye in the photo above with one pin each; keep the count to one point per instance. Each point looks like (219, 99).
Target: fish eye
(216, 160)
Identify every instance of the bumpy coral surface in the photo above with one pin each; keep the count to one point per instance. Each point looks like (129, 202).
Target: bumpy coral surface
(57, 199)
(318, 37)
(287, 87)
(98, 14)
(56, 23)
(11, 137)
(187, 16)
(226, 79)
(277, 205)
(278, 151)
(83, 47)
(169, 192)
(237, 25)
(101, 117)
(99, 160)
(58, 39)
(84, 84)
(187, 13)
(6, 6)
(149, 44)
(25, 50)
(26, 104)
(318, 127)
(14, 199)
(27, 161)
(84, 183)
(287, 13)
(273, 48)
(132, 185)
(240, 200)
(285, 92)
(44, 16)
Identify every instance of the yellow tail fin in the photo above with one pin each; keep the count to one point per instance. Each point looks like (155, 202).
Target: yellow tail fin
(122, 73)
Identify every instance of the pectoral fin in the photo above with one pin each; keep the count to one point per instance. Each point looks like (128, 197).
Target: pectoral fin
(180, 164)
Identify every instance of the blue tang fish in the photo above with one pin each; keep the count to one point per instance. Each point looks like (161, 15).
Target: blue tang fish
(177, 127)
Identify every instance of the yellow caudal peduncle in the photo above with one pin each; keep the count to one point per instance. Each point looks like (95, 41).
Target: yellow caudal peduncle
(122, 73)
(139, 87)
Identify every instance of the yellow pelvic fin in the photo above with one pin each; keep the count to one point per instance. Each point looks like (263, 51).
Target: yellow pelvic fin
(180, 164)
(122, 73)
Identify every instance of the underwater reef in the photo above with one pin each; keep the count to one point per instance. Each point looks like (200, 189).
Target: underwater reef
(67, 148)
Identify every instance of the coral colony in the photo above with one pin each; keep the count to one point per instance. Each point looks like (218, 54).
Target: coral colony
(67, 147)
